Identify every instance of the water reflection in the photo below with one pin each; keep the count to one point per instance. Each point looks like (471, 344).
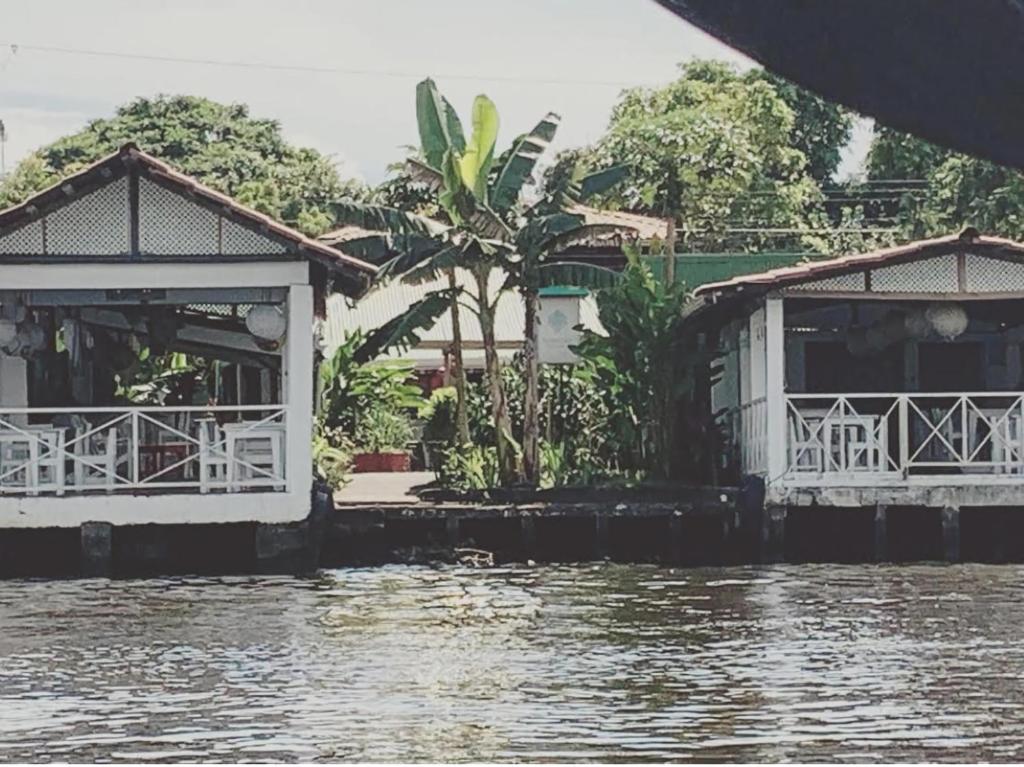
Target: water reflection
(583, 662)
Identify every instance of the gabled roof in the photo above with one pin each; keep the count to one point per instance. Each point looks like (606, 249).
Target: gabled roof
(353, 273)
(967, 241)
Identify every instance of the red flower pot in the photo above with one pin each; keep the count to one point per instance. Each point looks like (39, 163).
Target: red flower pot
(366, 462)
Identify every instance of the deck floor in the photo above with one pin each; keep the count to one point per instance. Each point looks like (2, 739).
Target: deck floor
(382, 488)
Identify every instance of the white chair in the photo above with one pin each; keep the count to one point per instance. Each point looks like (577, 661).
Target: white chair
(48, 457)
(213, 456)
(256, 455)
(96, 460)
(15, 454)
(806, 444)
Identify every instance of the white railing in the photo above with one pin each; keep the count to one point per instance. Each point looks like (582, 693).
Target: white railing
(905, 435)
(164, 449)
(750, 429)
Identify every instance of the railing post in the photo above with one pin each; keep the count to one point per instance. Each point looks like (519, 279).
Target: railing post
(903, 410)
(135, 446)
(776, 403)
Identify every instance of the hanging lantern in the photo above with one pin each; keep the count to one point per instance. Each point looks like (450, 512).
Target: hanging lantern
(916, 324)
(948, 320)
(8, 331)
(857, 342)
(267, 321)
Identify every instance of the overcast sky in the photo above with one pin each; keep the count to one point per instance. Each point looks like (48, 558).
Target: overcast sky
(532, 56)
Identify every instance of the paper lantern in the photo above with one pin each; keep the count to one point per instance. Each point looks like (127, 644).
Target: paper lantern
(267, 321)
(947, 319)
(8, 331)
(917, 325)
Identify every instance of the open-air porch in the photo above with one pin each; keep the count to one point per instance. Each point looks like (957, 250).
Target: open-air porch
(156, 353)
(894, 376)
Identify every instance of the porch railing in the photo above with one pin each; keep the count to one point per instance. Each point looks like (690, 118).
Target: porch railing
(903, 435)
(750, 427)
(163, 449)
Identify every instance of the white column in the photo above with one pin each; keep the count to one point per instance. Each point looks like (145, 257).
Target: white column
(775, 382)
(14, 386)
(298, 390)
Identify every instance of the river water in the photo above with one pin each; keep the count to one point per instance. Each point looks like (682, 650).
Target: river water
(602, 662)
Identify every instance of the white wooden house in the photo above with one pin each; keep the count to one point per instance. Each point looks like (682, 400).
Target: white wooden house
(891, 377)
(130, 253)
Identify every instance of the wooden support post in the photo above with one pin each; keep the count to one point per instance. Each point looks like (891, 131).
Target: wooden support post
(773, 534)
(451, 529)
(951, 534)
(601, 536)
(675, 541)
(528, 531)
(776, 407)
(881, 532)
(97, 557)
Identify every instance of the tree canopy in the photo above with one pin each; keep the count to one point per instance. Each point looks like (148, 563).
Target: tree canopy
(713, 148)
(957, 190)
(219, 144)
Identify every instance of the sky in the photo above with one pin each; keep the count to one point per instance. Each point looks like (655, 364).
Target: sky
(345, 69)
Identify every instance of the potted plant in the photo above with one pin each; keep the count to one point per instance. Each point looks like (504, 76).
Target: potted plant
(381, 438)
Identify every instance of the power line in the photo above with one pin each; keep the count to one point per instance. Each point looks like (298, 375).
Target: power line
(305, 68)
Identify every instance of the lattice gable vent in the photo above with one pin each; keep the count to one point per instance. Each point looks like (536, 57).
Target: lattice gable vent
(992, 275)
(932, 275)
(96, 224)
(170, 224)
(852, 282)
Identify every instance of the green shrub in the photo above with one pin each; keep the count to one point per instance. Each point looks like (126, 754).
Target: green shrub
(380, 430)
(332, 455)
(469, 467)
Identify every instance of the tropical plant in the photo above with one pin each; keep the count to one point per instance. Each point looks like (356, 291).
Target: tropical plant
(382, 429)
(647, 362)
(489, 232)
(332, 454)
(469, 467)
(219, 144)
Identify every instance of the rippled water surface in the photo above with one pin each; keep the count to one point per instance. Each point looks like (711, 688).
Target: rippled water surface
(549, 663)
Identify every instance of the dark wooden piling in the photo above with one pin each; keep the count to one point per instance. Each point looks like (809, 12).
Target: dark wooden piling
(951, 534)
(97, 557)
(773, 534)
(881, 533)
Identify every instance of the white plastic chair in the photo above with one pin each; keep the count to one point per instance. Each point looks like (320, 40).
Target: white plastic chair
(96, 460)
(213, 457)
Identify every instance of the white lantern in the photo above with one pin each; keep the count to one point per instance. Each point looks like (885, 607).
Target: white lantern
(949, 320)
(8, 331)
(267, 322)
(917, 325)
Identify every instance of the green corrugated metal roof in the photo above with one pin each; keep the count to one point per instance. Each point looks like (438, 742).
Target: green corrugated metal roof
(696, 269)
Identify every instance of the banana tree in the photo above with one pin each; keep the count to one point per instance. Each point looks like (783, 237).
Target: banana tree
(491, 234)
(546, 229)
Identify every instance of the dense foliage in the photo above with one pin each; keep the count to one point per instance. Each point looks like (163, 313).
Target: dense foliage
(952, 190)
(219, 144)
(714, 149)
